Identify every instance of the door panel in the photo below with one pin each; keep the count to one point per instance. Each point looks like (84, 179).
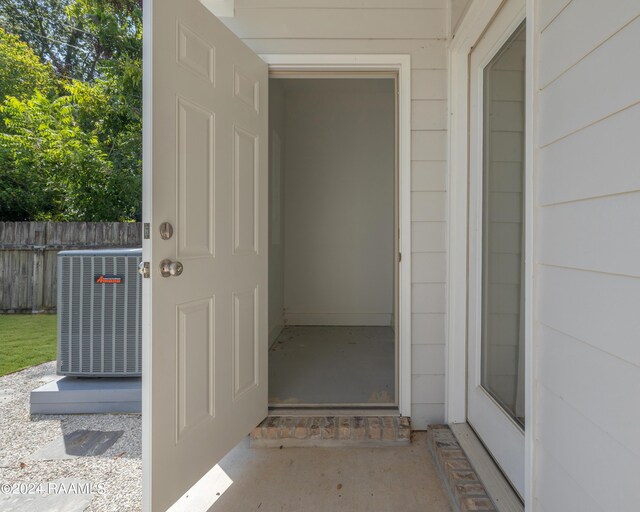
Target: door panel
(245, 198)
(496, 258)
(205, 172)
(196, 216)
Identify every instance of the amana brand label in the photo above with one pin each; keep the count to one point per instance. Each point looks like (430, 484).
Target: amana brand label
(107, 279)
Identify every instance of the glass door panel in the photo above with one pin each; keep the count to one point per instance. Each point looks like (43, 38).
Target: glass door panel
(503, 226)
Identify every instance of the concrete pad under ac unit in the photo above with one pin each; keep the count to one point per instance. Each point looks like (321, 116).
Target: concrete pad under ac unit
(70, 395)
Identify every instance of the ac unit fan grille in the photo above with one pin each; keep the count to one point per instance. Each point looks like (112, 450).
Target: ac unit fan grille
(99, 324)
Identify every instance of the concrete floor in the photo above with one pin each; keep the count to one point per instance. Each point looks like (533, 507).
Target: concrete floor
(332, 365)
(337, 479)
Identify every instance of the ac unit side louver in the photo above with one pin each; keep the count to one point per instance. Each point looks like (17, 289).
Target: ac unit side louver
(100, 313)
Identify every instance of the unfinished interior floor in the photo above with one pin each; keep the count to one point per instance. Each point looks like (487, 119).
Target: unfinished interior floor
(333, 365)
(338, 479)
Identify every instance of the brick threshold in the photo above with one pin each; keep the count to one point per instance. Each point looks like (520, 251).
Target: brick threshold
(331, 431)
(466, 491)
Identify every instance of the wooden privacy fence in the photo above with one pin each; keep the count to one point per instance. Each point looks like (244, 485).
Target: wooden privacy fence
(28, 257)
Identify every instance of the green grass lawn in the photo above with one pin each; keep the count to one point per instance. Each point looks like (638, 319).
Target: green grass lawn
(26, 340)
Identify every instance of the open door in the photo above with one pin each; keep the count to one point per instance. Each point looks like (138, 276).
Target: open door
(205, 215)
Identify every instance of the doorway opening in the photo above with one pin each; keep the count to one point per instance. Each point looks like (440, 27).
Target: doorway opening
(333, 239)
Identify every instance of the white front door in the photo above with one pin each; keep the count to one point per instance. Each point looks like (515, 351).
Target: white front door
(495, 406)
(205, 173)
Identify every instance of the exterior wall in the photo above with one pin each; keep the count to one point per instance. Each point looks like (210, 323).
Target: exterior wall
(338, 202)
(458, 8)
(587, 180)
(418, 28)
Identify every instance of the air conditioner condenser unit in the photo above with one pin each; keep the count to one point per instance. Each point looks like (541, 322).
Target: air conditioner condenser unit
(100, 313)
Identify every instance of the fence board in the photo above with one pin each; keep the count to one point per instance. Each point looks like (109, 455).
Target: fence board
(28, 257)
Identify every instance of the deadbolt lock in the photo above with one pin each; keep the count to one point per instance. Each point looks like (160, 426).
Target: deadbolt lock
(166, 230)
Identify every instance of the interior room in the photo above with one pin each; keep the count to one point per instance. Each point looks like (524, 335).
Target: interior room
(332, 226)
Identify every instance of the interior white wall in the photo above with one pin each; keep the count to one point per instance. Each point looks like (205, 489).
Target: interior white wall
(276, 205)
(418, 28)
(338, 208)
(587, 274)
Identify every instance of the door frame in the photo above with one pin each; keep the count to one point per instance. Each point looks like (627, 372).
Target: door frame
(400, 64)
(474, 24)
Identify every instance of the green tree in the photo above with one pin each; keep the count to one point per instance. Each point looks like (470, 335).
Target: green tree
(76, 36)
(50, 168)
(70, 148)
(21, 71)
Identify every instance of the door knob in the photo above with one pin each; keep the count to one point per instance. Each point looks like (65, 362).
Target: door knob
(170, 268)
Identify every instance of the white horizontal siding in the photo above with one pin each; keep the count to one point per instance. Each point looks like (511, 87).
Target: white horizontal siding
(594, 88)
(428, 389)
(425, 53)
(428, 359)
(428, 176)
(565, 43)
(427, 298)
(429, 145)
(429, 236)
(323, 23)
(548, 10)
(588, 256)
(414, 27)
(428, 328)
(592, 235)
(458, 8)
(604, 469)
(429, 84)
(429, 115)
(599, 309)
(428, 206)
(429, 267)
(555, 482)
(426, 414)
(342, 4)
(571, 169)
(598, 400)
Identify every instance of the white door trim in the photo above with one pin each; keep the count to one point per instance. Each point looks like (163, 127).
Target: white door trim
(475, 22)
(402, 65)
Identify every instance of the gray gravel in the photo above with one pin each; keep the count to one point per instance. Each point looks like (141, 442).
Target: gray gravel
(115, 475)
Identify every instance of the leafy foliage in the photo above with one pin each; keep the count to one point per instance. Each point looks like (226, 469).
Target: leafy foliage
(71, 110)
(21, 72)
(77, 37)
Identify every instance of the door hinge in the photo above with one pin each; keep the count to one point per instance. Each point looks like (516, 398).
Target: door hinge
(147, 231)
(399, 257)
